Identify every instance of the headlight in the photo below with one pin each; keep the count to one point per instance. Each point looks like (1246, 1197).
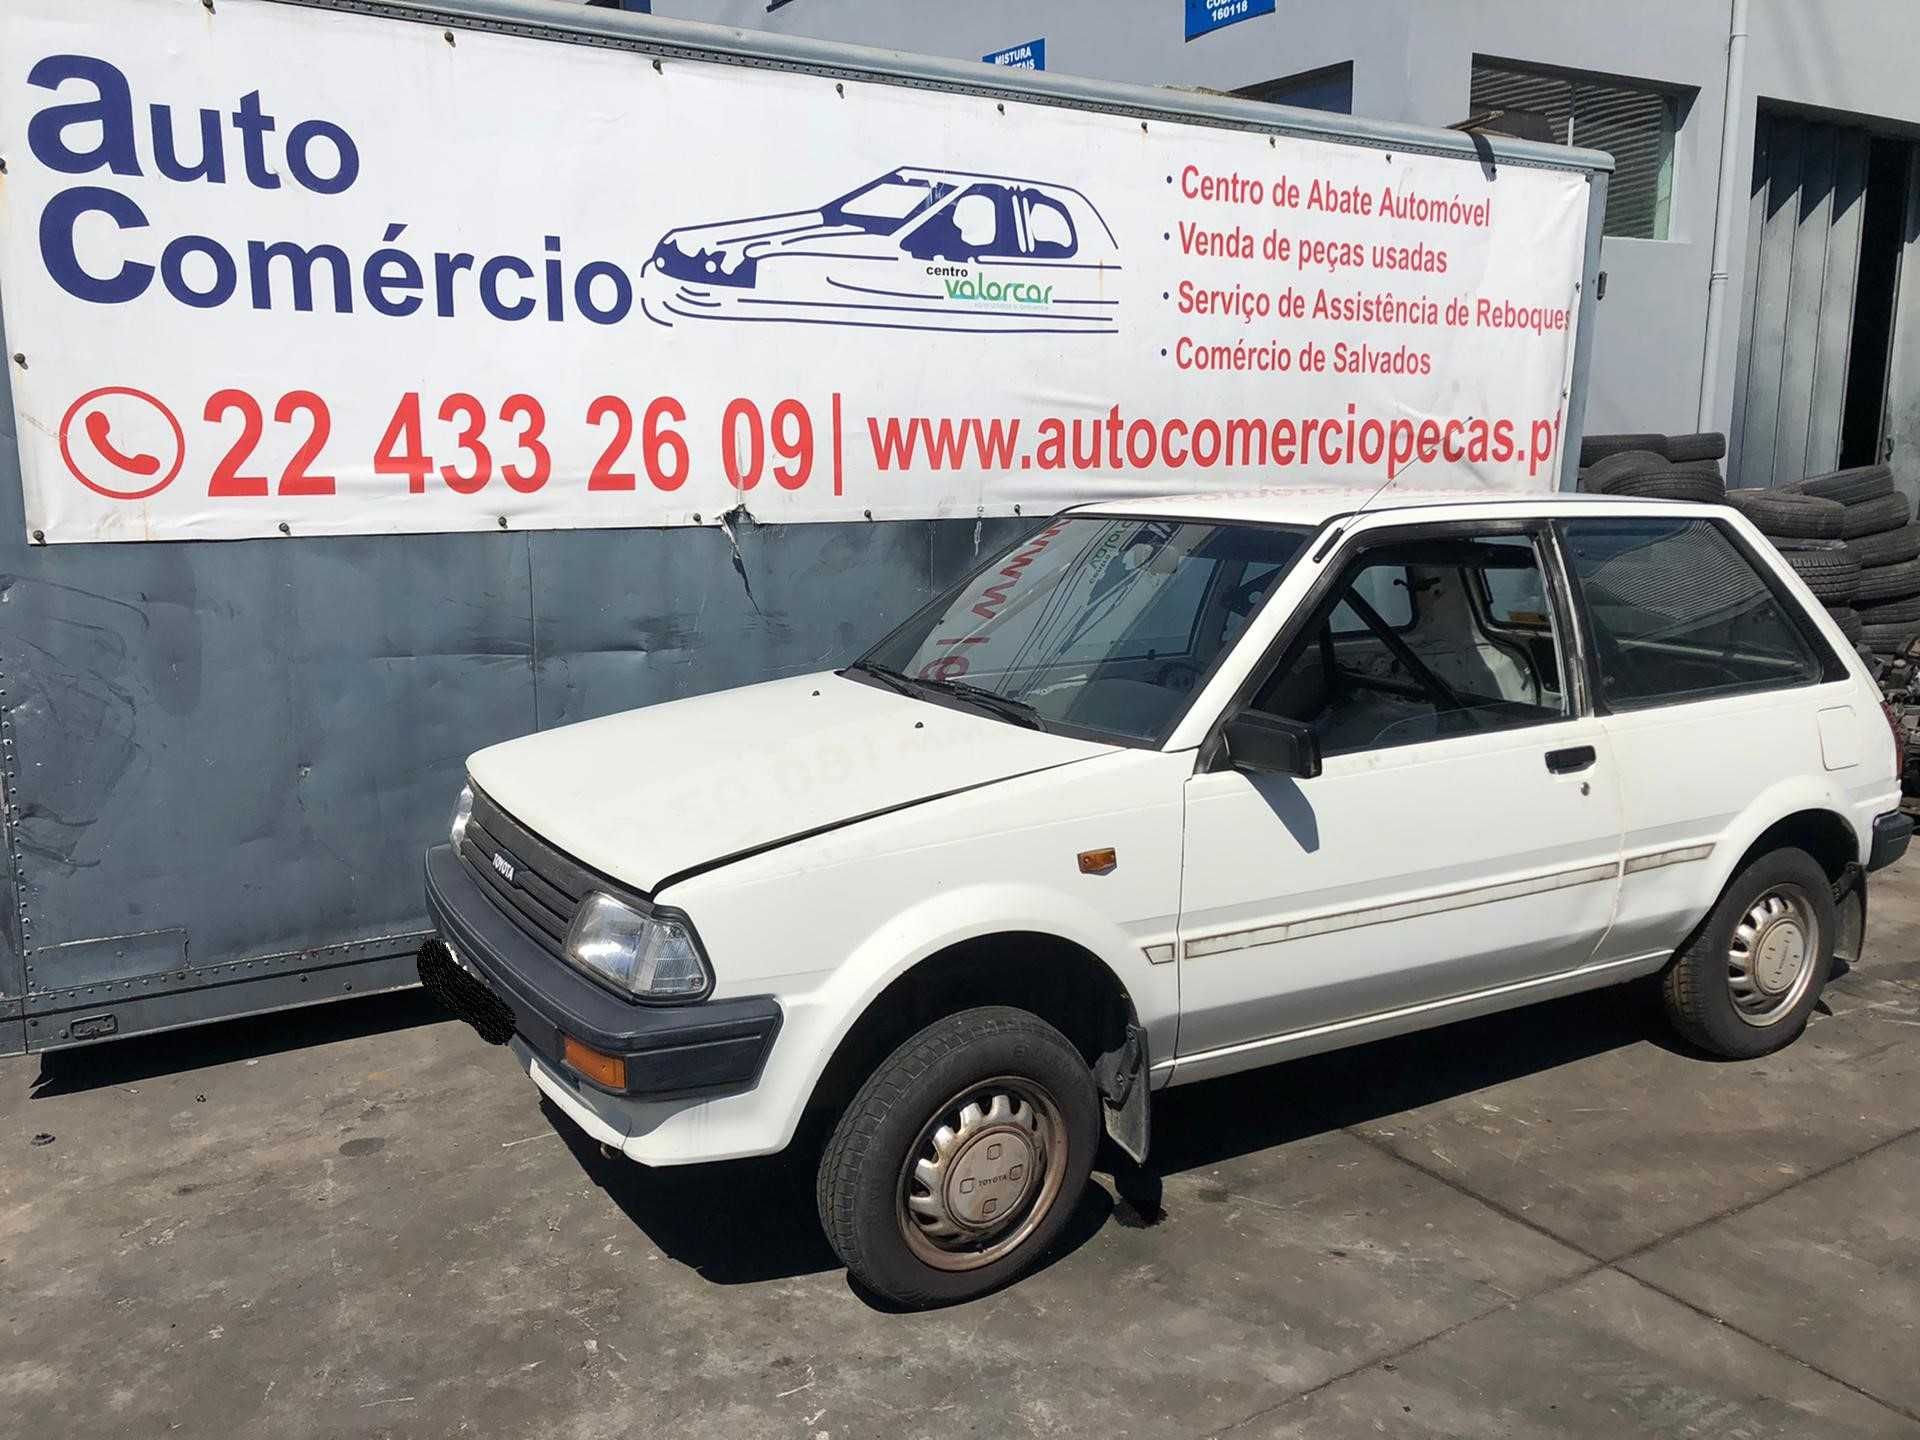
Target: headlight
(653, 956)
(462, 813)
(703, 266)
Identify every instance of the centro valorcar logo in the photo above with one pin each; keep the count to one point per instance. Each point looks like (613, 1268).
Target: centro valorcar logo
(916, 249)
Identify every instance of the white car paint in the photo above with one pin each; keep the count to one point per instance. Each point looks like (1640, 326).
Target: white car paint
(742, 768)
(1248, 919)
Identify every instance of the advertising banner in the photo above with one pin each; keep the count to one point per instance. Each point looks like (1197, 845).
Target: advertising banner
(428, 280)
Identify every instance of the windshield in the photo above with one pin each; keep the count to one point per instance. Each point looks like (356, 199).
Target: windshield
(880, 207)
(1097, 624)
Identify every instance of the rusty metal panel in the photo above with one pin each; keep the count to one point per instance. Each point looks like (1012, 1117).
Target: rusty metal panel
(250, 741)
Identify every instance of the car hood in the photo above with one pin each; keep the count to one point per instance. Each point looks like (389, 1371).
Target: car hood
(647, 795)
(799, 232)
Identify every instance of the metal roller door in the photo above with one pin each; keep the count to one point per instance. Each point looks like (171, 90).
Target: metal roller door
(1803, 265)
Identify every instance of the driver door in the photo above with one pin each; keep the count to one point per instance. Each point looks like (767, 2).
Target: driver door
(1462, 841)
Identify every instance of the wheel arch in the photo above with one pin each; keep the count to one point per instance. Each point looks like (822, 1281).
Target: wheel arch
(1831, 840)
(1059, 978)
(1821, 831)
(1805, 815)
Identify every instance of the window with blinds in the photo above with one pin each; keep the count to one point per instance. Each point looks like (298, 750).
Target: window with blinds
(1633, 124)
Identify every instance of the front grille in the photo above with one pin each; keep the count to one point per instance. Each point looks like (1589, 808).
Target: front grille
(546, 888)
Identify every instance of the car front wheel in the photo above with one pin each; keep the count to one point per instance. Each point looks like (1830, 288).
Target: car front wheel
(962, 1157)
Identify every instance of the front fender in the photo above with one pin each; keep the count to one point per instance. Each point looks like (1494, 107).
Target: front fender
(925, 929)
(939, 922)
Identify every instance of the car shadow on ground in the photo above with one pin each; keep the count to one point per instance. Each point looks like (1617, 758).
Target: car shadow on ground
(742, 1222)
(748, 1221)
(167, 1052)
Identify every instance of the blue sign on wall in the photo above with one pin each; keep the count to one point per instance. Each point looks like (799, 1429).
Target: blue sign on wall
(1206, 16)
(1030, 56)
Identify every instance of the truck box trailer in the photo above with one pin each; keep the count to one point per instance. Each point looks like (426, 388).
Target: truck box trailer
(502, 363)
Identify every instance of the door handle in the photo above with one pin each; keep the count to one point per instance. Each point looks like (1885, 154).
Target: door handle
(1573, 758)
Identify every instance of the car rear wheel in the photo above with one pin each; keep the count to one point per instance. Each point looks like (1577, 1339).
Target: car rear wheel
(961, 1159)
(1745, 982)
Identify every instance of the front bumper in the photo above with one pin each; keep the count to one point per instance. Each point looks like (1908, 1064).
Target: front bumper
(705, 1049)
(1891, 832)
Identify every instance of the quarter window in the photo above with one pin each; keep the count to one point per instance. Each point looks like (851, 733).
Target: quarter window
(1364, 677)
(1049, 228)
(1679, 613)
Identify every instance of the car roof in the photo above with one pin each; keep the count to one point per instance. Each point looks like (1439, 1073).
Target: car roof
(927, 172)
(1315, 504)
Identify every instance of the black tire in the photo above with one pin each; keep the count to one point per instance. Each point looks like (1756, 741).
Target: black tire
(1624, 462)
(1790, 517)
(1888, 546)
(1585, 483)
(1888, 639)
(1890, 612)
(1674, 483)
(1832, 575)
(1849, 487)
(1707, 445)
(1881, 583)
(1848, 620)
(1739, 1018)
(862, 1180)
(1872, 517)
(1777, 513)
(1595, 448)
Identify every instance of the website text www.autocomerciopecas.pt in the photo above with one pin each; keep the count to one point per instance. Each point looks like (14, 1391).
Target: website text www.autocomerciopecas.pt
(1388, 447)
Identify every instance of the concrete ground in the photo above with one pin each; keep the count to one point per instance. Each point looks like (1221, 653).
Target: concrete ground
(360, 1221)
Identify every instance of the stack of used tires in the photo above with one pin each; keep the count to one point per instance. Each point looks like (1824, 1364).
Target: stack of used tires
(1877, 534)
(1654, 467)
(1849, 534)
(1809, 532)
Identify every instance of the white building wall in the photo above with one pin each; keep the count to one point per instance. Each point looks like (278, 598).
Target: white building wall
(1412, 61)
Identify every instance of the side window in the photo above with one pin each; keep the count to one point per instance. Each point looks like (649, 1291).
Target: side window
(1678, 613)
(1384, 587)
(977, 220)
(1367, 678)
(979, 223)
(1049, 227)
(1517, 599)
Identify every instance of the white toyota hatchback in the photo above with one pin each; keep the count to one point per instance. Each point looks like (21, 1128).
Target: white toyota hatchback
(1171, 788)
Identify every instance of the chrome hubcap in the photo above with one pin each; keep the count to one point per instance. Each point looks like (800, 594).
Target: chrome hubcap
(1770, 962)
(983, 1175)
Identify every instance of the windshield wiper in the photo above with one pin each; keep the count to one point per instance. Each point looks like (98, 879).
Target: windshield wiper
(1004, 706)
(892, 679)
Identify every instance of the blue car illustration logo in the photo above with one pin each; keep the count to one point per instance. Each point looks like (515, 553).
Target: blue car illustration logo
(916, 249)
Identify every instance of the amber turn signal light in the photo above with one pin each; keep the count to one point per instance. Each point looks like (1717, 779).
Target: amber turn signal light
(1098, 862)
(607, 1070)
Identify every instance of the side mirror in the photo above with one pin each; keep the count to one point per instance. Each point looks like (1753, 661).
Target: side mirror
(1270, 745)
